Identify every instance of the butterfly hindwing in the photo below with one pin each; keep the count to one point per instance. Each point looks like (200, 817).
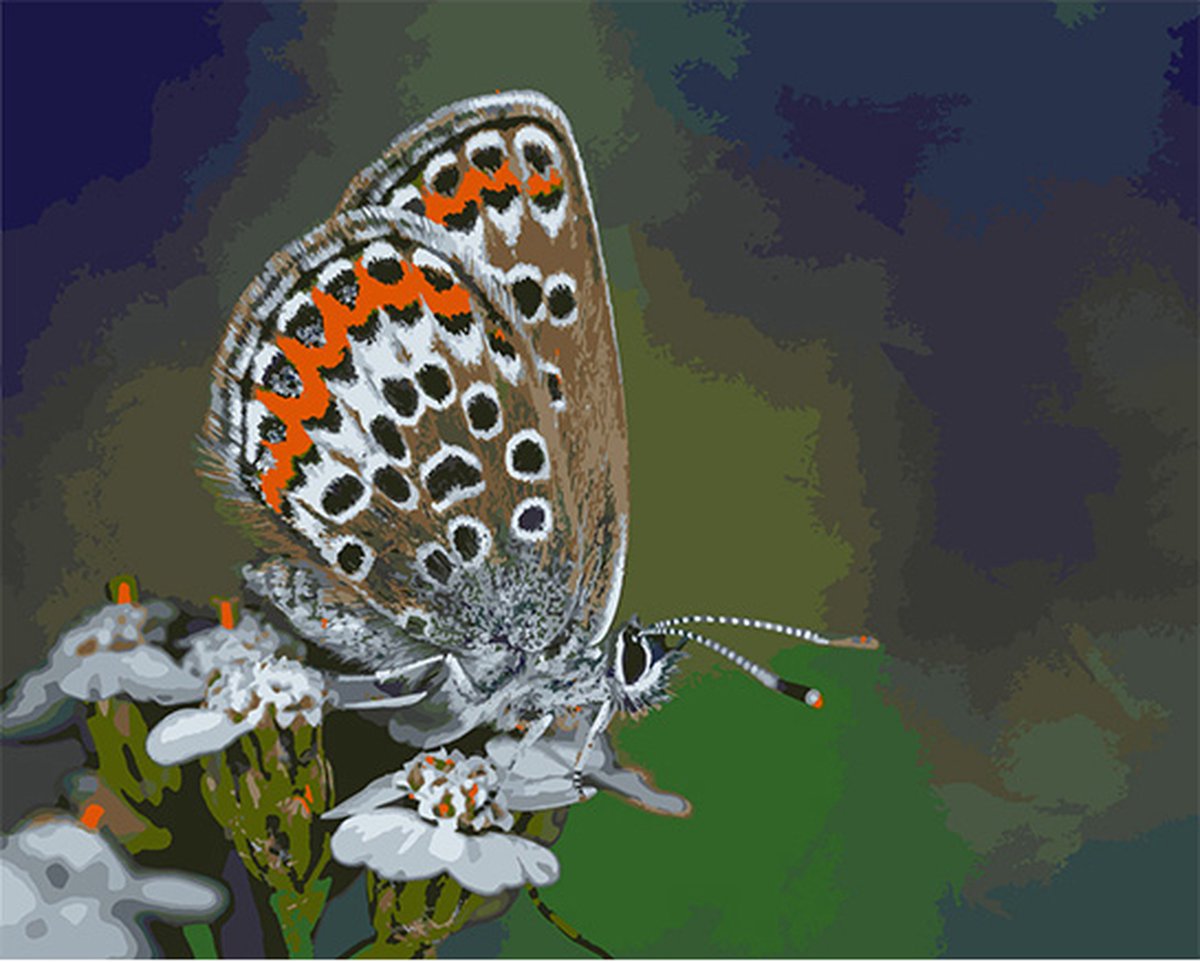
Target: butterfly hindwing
(370, 420)
(502, 174)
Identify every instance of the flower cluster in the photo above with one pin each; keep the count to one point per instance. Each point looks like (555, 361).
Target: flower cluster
(450, 787)
(243, 692)
(63, 887)
(442, 813)
(112, 652)
(485, 821)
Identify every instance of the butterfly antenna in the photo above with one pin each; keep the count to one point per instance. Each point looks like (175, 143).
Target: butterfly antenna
(810, 696)
(559, 923)
(865, 642)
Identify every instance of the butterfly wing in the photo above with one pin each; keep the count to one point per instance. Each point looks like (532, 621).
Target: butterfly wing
(377, 419)
(502, 174)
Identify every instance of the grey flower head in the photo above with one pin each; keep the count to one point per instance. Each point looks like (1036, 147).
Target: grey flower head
(66, 891)
(112, 652)
(236, 701)
(459, 826)
(214, 649)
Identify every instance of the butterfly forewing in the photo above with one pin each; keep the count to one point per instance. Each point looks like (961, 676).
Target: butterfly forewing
(502, 174)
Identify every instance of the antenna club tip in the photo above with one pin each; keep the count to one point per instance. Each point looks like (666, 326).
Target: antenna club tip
(862, 642)
(810, 696)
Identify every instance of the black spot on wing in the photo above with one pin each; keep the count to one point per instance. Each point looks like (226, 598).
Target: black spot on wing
(331, 420)
(528, 294)
(401, 394)
(435, 382)
(366, 331)
(341, 494)
(450, 475)
(537, 157)
(548, 200)
(561, 301)
(532, 518)
(498, 200)
(282, 378)
(393, 484)
(351, 557)
(498, 343)
(272, 430)
(438, 566)
(384, 431)
(466, 542)
(464, 219)
(488, 159)
(528, 457)
(342, 371)
(446, 181)
(386, 270)
(454, 323)
(343, 286)
(483, 413)
(306, 326)
(405, 316)
(439, 280)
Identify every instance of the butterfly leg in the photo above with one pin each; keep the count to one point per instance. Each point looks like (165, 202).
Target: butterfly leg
(599, 724)
(531, 735)
(362, 691)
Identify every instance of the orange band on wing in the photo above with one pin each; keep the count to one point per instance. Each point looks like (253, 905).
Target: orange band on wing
(470, 187)
(308, 360)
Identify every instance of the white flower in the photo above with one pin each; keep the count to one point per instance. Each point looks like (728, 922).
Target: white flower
(66, 892)
(237, 701)
(214, 649)
(459, 827)
(110, 653)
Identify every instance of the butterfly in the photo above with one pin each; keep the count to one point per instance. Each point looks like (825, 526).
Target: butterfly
(417, 408)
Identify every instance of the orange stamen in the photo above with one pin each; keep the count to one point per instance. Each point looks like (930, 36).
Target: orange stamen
(308, 792)
(226, 614)
(91, 816)
(124, 593)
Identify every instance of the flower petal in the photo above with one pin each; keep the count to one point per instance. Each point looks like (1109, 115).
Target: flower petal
(33, 701)
(634, 784)
(192, 732)
(144, 673)
(399, 845)
(377, 793)
(542, 777)
(394, 844)
(495, 862)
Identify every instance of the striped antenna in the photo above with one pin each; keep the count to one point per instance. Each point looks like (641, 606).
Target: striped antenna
(864, 642)
(810, 696)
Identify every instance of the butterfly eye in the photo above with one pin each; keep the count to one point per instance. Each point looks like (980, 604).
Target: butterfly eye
(633, 660)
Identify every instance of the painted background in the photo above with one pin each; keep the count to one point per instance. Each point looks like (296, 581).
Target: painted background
(906, 297)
